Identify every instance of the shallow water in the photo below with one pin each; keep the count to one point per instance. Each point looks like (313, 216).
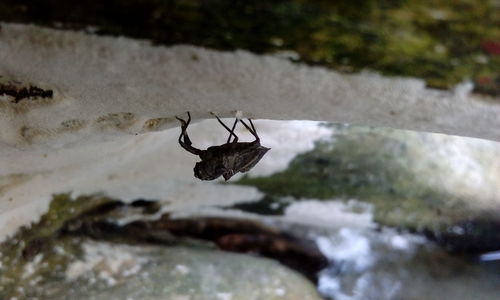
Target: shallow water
(369, 261)
(387, 265)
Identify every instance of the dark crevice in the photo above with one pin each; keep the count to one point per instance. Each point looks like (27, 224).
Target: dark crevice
(21, 93)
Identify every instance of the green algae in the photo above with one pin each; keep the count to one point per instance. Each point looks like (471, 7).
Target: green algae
(384, 167)
(443, 42)
(38, 252)
(38, 261)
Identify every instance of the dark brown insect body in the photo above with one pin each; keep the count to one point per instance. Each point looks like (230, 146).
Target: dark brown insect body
(227, 159)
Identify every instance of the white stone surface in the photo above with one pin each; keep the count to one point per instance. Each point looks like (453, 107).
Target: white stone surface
(148, 166)
(109, 93)
(112, 86)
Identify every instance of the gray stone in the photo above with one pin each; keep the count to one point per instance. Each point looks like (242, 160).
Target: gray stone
(111, 271)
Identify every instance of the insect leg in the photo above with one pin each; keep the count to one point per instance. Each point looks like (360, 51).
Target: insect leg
(184, 139)
(231, 131)
(184, 124)
(252, 130)
(253, 127)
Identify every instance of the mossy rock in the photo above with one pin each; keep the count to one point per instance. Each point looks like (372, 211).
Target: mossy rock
(395, 170)
(443, 42)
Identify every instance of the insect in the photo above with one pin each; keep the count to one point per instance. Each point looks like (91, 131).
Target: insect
(226, 159)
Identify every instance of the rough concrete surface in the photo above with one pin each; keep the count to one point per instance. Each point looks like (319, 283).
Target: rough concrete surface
(108, 94)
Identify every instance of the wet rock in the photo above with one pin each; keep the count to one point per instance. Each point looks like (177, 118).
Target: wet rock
(35, 261)
(268, 205)
(229, 234)
(469, 237)
(111, 271)
(414, 180)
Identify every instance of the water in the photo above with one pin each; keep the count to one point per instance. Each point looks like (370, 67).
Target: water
(370, 262)
(387, 265)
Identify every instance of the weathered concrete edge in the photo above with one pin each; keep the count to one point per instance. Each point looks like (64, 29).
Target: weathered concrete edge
(105, 86)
